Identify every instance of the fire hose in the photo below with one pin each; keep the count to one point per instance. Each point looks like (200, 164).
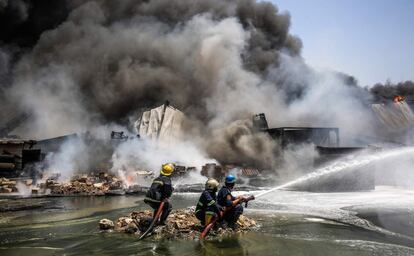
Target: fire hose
(156, 217)
(216, 218)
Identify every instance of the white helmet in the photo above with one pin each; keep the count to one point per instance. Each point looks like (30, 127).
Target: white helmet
(212, 184)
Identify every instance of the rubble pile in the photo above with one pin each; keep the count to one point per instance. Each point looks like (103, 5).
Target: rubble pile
(100, 183)
(181, 224)
(92, 184)
(180, 171)
(220, 171)
(7, 186)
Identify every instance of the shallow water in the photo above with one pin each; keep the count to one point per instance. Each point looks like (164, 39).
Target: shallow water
(377, 222)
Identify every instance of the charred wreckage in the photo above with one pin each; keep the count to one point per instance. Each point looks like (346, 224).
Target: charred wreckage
(20, 159)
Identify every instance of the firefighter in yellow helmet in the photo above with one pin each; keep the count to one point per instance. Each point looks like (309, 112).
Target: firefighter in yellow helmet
(207, 206)
(161, 190)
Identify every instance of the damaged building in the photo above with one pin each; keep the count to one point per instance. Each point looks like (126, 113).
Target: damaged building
(167, 123)
(326, 141)
(164, 122)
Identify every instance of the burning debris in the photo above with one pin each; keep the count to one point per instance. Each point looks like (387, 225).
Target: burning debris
(394, 116)
(99, 183)
(129, 178)
(180, 224)
(398, 98)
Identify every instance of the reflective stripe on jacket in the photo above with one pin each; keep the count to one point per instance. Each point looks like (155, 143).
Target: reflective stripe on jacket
(160, 189)
(207, 202)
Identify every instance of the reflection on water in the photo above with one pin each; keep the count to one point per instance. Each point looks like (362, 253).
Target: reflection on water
(293, 223)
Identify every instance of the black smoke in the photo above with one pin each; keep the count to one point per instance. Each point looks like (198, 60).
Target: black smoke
(23, 21)
(58, 36)
(386, 91)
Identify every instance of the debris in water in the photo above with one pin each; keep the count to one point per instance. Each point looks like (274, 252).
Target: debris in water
(106, 224)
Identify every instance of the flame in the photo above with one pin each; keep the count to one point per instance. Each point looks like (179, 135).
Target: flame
(130, 178)
(398, 98)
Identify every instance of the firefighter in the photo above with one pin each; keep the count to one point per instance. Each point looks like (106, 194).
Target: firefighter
(232, 205)
(207, 206)
(161, 190)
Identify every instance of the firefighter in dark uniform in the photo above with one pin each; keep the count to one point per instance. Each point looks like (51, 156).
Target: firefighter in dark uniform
(161, 190)
(207, 206)
(232, 205)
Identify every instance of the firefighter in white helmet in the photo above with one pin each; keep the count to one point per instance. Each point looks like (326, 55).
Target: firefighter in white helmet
(207, 206)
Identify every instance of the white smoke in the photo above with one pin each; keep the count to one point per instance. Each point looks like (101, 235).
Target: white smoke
(23, 189)
(327, 101)
(142, 154)
(72, 157)
(296, 160)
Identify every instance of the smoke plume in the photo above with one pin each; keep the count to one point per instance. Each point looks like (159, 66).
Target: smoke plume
(100, 62)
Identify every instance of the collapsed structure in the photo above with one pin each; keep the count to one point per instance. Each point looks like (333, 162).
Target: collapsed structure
(21, 158)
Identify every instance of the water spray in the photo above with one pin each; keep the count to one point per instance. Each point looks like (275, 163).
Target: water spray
(343, 165)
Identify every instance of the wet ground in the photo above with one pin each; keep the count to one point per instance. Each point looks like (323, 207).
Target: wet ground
(379, 222)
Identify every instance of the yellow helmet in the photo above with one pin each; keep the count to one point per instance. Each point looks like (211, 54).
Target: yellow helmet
(167, 169)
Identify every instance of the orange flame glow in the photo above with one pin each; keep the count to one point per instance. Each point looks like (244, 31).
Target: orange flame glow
(130, 178)
(398, 98)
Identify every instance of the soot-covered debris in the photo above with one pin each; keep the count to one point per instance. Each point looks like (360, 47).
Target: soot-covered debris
(181, 224)
(99, 184)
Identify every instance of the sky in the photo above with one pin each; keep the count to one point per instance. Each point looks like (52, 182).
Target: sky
(372, 40)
